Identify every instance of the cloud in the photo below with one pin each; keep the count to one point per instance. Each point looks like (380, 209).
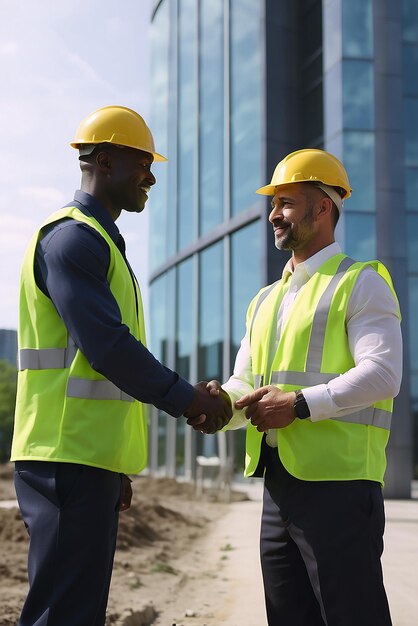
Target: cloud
(9, 48)
(60, 61)
(43, 195)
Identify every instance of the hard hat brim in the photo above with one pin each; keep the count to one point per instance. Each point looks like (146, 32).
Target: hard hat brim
(267, 190)
(90, 147)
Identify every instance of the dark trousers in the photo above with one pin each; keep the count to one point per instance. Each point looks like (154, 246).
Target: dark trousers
(71, 514)
(321, 544)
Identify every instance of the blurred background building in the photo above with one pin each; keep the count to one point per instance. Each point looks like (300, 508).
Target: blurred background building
(8, 345)
(236, 85)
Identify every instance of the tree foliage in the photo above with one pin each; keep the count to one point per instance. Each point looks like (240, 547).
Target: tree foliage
(8, 381)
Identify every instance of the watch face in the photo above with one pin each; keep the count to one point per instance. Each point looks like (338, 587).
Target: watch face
(301, 406)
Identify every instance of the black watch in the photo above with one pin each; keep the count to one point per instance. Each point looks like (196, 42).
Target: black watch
(300, 406)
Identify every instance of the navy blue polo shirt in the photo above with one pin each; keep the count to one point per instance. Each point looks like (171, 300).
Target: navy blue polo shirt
(71, 266)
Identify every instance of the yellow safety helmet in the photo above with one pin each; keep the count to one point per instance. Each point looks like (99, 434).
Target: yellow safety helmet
(309, 165)
(117, 125)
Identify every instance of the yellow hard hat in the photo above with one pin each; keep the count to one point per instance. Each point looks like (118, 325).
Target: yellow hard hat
(117, 125)
(309, 165)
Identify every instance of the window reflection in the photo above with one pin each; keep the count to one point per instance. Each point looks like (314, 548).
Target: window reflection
(410, 20)
(357, 23)
(211, 313)
(246, 94)
(359, 163)
(187, 121)
(413, 334)
(211, 115)
(410, 74)
(161, 338)
(358, 95)
(411, 136)
(184, 335)
(159, 126)
(245, 278)
(411, 188)
(360, 238)
(412, 242)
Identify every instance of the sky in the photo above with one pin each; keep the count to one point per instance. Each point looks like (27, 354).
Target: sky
(59, 61)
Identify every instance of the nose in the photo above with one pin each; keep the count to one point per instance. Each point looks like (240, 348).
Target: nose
(151, 178)
(275, 213)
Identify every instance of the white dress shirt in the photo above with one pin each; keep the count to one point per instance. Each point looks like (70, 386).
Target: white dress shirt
(374, 336)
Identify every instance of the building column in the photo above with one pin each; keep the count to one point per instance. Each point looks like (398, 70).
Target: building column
(391, 218)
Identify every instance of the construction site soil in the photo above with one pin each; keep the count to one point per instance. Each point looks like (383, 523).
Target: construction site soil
(161, 550)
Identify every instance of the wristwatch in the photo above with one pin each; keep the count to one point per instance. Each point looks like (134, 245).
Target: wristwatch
(300, 406)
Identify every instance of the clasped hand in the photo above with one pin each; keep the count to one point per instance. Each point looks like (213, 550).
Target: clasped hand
(211, 408)
(268, 407)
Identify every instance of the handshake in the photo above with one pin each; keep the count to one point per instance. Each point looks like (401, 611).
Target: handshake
(211, 408)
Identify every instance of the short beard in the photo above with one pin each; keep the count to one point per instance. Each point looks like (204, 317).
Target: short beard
(288, 241)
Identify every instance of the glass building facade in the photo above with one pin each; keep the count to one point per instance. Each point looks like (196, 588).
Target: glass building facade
(236, 85)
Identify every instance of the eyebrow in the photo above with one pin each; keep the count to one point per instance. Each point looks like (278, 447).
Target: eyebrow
(284, 199)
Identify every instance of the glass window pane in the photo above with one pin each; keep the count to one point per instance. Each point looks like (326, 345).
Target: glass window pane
(211, 117)
(357, 22)
(411, 189)
(245, 278)
(184, 309)
(159, 125)
(211, 313)
(161, 342)
(412, 242)
(358, 95)
(410, 20)
(413, 334)
(359, 162)
(246, 103)
(411, 137)
(187, 50)
(158, 316)
(360, 236)
(410, 74)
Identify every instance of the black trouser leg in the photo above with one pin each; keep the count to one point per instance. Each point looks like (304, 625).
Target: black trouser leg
(331, 534)
(71, 513)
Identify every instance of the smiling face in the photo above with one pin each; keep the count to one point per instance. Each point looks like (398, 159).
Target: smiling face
(130, 179)
(299, 219)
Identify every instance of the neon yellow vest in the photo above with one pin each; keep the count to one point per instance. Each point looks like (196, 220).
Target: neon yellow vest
(65, 410)
(313, 349)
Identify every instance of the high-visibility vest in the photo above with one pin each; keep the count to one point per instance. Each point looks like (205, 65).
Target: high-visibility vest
(313, 349)
(65, 410)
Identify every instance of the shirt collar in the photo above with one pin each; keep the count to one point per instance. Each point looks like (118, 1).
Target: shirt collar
(311, 265)
(91, 206)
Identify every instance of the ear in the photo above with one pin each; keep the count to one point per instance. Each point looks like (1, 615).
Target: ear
(103, 160)
(324, 207)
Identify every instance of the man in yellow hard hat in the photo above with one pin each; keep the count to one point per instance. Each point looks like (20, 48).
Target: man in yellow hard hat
(314, 381)
(84, 374)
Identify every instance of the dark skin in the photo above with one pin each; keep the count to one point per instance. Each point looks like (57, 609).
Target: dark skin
(120, 178)
(303, 220)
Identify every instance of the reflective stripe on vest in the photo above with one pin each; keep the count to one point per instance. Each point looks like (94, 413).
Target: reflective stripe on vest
(46, 359)
(96, 390)
(319, 322)
(61, 358)
(370, 416)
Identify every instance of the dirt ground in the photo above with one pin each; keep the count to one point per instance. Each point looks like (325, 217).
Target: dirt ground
(166, 571)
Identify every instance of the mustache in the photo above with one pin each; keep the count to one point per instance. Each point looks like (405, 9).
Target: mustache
(281, 224)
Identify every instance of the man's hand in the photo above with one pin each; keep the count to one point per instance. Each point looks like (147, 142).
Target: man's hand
(126, 493)
(210, 410)
(268, 407)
